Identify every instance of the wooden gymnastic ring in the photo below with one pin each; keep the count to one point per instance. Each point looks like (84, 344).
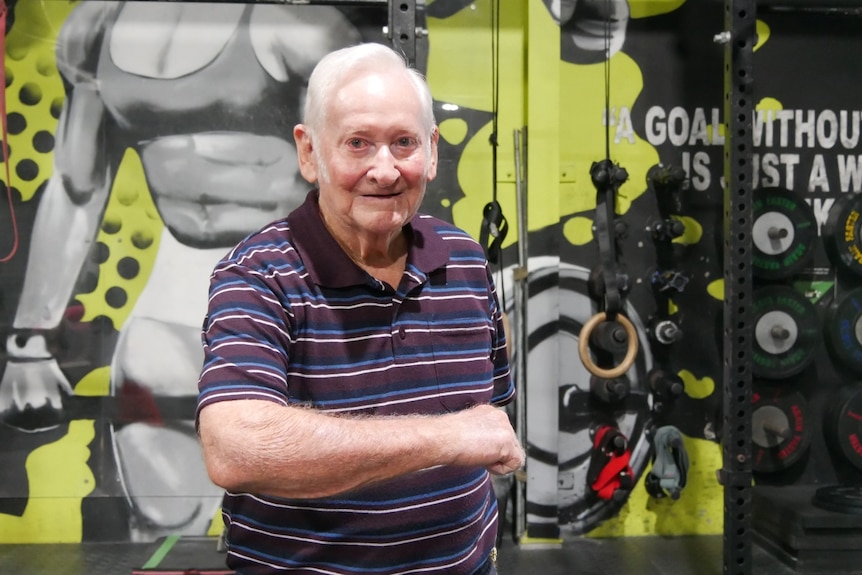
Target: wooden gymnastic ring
(584, 346)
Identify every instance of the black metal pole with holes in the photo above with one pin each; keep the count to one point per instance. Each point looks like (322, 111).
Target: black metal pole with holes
(738, 38)
(403, 29)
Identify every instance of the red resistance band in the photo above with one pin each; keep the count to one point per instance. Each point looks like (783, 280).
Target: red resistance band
(609, 467)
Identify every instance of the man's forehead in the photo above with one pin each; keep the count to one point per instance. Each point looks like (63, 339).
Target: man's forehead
(371, 82)
(392, 94)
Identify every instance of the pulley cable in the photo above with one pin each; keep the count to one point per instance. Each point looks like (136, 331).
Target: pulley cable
(607, 178)
(607, 75)
(494, 224)
(495, 88)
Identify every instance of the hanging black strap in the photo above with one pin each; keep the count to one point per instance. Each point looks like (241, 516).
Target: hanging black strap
(603, 175)
(494, 225)
(607, 177)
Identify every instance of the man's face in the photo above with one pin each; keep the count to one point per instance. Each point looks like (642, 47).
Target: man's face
(373, 157)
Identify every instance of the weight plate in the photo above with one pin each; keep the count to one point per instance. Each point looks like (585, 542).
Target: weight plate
(841, 498)
(784, 233)
(842, 236)
(780, 434)
(844, 425)
(844, 330)
(786, 330)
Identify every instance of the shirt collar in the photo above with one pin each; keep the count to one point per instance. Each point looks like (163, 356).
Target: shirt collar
(327, 263)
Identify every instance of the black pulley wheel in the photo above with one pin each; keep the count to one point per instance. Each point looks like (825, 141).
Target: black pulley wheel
(786, 331)
(784, 233)
(844, 425)
(844, 330)
(842, 236)
(780, 433)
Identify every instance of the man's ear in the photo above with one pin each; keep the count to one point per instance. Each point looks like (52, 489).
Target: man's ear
(432, 164)
(305, 153)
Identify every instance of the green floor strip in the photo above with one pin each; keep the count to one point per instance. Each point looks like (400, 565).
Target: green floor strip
(160, 553)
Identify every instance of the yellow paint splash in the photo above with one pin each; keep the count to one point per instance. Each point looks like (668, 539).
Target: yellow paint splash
(216, 525)
(767, 104)
(693, 231)
(698, 511)
(697, 388)
(578, 230)
(763, 32)
(96, 383)
(131, 228)
(647, 8)
(34, 85)
(453, 130)
(59, 480)
(716, 289)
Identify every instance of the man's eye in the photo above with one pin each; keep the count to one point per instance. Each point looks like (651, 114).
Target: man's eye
(354, 143)
(405, 142)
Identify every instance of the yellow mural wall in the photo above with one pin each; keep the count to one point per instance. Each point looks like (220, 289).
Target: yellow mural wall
(561, 105)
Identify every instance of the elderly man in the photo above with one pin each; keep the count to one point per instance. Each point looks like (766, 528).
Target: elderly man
(355, 353)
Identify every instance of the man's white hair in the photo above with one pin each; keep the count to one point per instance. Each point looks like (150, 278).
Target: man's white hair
(338, 66)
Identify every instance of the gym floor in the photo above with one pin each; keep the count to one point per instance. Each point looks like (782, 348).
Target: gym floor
(691, 555)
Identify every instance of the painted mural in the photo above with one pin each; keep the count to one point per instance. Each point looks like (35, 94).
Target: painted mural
(146, 138)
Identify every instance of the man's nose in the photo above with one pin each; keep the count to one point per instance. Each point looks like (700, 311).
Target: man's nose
(383, 170)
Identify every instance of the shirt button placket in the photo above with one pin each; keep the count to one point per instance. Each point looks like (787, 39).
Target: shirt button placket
(399, 333)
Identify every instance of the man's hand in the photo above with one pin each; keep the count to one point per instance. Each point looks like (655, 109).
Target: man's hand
(486, 438)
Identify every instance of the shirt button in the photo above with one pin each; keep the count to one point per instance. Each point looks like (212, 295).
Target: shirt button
(402, 332)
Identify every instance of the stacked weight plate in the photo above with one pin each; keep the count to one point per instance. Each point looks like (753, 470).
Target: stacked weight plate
(791, 524)
(807, 387)
(787, 329)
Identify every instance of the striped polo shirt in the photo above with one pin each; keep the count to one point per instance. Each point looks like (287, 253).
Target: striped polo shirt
(293, 320)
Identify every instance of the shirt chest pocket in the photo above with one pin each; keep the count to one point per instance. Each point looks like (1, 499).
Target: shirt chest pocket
(463, 365)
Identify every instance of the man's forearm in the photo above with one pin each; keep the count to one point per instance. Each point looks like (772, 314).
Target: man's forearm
(262, 447)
